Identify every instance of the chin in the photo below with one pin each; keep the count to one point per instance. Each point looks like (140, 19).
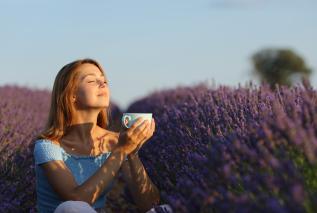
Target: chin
(105, 105)
(100, 105)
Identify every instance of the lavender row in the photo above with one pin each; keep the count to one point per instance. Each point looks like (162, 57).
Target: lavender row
(245, 149)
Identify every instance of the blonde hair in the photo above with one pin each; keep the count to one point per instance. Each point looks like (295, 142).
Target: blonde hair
(62, 109)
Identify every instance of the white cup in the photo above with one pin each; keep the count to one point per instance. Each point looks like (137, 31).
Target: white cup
(128, 119)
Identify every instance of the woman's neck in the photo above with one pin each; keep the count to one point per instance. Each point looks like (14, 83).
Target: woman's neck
(84, 132)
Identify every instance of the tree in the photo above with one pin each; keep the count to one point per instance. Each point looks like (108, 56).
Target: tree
(279, 66)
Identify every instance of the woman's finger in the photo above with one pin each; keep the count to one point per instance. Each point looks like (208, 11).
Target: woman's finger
(137, 123)
(150, 129)
(153, 126)
(139, 131)
(148, 133)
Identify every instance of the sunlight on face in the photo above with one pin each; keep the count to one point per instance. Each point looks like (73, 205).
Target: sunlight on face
(93, 89)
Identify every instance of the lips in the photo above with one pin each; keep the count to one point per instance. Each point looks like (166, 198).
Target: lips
(102, 92)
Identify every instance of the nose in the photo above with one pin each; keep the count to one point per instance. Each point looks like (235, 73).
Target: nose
(102, 83)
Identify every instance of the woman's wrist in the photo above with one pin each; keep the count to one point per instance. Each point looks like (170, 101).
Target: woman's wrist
(132, 155)
(120, 152)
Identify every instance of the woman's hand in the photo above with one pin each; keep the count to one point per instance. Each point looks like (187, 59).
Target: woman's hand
(149, 134)
(130, 138)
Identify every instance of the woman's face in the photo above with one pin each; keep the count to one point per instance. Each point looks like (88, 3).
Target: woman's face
(93, 89)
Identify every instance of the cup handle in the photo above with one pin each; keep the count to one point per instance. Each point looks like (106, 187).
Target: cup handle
(123, 119)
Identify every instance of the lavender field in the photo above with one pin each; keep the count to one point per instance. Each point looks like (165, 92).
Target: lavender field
(245, 149)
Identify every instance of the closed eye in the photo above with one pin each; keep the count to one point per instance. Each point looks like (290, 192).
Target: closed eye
(91, 81)
(94, 81)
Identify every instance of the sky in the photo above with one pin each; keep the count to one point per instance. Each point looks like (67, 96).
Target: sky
(147, 45)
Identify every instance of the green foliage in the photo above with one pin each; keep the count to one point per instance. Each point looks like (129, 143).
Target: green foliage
(279, 66)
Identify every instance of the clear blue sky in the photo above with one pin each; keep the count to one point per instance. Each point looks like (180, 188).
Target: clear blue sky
(150, 44)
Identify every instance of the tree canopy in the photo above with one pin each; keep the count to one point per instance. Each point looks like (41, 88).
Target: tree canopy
(279, 66)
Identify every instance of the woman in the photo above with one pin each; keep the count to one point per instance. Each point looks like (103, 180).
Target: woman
(76, 157)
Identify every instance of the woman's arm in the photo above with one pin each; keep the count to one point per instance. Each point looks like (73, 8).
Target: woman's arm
(64, 184)
(144, 192)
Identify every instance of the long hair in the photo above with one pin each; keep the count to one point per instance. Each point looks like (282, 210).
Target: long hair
(62, 109)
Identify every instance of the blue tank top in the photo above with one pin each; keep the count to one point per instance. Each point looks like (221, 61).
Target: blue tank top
(82, 167)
